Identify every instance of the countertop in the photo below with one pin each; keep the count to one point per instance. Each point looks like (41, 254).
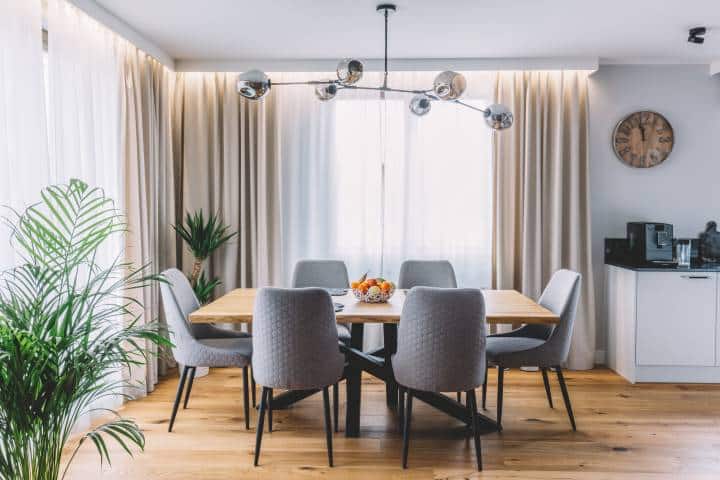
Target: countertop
(708, 267)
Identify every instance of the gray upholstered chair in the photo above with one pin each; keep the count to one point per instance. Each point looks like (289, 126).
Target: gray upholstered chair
(325, 274)
(441, 348)
(513, 350)
(191, 352)
(427, 273)
(295, 347)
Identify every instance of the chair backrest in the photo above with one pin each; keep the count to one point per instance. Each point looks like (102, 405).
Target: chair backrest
(179, 301)
(295, 340)
(320, 273)
(561, 296)
(441, 340)
(427, 273)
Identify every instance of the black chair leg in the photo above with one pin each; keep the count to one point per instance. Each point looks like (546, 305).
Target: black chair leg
(459, 397)
(246, 399)
(328, 425)
(484, 389)
(253, 387)
(401, 407)
(269, 409)
(336, 406)
(546, 381)
(501, 371)
(566, 397)
(190, 385)
(178, 396)
(472, 402)
(406, 428)
(261, 421)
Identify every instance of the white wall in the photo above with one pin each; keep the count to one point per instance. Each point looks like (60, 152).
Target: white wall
(685, 189)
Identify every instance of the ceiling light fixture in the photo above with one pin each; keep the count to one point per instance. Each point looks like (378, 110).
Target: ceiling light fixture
(448, 86)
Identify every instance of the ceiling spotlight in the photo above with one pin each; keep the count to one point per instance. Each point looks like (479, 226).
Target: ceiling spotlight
(498, 117)
(449, 85)
(695, 35)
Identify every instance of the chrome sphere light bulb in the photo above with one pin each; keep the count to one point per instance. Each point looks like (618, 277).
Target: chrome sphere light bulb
(350, 71)
(449, 85)
(498, 117)
(326, 92)
(253, 84)
(420, 105)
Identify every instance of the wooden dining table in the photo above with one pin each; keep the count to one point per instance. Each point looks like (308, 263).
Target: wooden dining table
(501, 307)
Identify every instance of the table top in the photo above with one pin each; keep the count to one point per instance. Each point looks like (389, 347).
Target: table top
(501, 306)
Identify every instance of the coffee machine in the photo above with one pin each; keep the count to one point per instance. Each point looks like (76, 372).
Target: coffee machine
(650, 243)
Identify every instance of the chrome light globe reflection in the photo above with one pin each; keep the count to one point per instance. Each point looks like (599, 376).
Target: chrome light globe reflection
(449, 85)
(326, 92)
(420, 105)
(350, 71)
(253, 84)
(498, 117)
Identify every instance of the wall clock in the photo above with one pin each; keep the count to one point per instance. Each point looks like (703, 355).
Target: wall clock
(643, 139)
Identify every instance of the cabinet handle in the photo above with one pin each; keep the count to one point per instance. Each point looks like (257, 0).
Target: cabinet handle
(695, 277)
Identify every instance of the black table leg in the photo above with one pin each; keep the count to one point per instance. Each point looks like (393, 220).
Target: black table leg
(390, 342)
(354, 383)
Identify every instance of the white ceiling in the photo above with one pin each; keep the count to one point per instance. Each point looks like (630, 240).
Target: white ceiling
(613, 30)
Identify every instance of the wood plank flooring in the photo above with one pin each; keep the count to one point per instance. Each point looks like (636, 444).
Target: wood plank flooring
(624, 431)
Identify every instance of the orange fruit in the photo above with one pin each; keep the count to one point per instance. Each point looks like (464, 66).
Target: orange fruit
(371, 281)
(354, 285)
(363, 287)
(386, 286)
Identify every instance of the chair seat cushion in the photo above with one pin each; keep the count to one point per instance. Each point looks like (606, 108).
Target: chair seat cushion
(222, 352)
(343, 332)
(203, 331)
(514, 351)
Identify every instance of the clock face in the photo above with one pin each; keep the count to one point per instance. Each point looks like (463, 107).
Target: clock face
(643, 139)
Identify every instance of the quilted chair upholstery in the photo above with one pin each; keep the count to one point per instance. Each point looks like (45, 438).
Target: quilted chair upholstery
(561, 297)
(441, 340)
(178, 303)
(323, 274)
(295, 342)
(427, 273)
(441, 348)
(188, 303)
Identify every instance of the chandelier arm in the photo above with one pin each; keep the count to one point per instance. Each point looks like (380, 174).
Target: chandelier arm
(381, 89)
(477, 109)
(308, 82)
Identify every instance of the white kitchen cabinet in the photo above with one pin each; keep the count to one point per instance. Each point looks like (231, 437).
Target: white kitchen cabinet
(663, 325)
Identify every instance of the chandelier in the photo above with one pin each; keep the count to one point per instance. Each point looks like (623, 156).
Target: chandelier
(448, 86)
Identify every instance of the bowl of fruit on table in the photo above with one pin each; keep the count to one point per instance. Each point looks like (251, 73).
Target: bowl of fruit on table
(373, 290)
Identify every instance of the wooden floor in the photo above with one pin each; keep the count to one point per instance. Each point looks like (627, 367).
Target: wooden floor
(625, 431)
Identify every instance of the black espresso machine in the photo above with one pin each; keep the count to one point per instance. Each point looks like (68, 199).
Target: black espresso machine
(650, 243)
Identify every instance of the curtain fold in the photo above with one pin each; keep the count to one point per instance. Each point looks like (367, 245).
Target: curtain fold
(541, 216)
(227, 154)
(24, 161)
(149, 179)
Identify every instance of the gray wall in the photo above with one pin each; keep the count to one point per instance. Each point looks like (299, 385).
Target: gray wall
(685, 189)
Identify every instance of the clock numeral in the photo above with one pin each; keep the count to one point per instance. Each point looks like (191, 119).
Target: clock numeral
(621, 140)
(625, 130)
(665, 140)
(624, 151)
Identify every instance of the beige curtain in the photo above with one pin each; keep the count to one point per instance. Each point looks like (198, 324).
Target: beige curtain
(149, 182)
(226, 149)
(541, 192)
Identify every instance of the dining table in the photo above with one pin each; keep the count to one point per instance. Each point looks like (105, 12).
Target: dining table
(501, 307)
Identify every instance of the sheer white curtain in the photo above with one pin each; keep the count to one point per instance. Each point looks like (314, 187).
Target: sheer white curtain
(24, 168)
(366, 181)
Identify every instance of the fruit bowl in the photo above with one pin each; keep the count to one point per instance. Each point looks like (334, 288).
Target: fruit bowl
(373, 290)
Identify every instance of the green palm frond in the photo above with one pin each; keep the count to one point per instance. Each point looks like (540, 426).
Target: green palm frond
(204, 288)
(203, 237)
(68, 327)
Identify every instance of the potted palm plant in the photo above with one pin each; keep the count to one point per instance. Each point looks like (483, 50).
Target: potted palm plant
(203, 237)
(69, 325)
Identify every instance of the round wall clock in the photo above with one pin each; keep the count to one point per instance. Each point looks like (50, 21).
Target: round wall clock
(643, 139)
